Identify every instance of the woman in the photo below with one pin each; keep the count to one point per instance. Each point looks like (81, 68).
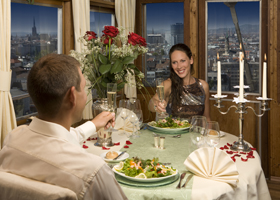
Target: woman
(184, 95)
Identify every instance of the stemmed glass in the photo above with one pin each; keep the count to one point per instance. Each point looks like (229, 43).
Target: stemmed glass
(213, 133)
(160, 92)
(139, 115)
(124, 104)
(112, 100)
(134, 120)
(198, 130)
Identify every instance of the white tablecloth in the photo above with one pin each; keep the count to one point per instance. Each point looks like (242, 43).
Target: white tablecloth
(252, 184)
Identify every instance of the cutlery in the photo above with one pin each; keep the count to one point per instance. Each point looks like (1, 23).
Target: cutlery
(188, 179)
(177, 136)
(181, 178)
(168, 164)
(119, 155)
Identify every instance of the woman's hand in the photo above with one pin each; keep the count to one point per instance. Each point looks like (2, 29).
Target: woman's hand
(160, 106)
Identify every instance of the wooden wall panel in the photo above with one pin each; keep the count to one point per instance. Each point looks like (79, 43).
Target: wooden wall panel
(273, 82)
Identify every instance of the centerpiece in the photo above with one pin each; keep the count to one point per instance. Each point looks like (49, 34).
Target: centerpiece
(110, 59)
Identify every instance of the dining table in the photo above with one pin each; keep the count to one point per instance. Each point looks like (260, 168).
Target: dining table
(251, 182)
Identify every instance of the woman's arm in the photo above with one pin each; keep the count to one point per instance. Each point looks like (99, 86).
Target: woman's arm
(206, 103)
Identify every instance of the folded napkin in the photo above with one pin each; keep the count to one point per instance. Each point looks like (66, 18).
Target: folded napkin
(213, 163)
(126, 124)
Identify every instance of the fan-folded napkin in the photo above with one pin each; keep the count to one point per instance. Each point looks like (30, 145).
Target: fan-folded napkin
(213, 163)
(125, 124)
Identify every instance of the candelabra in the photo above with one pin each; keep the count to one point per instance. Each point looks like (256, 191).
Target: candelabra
(240, 145)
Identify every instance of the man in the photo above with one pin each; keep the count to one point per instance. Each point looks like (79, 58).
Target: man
(49, 150)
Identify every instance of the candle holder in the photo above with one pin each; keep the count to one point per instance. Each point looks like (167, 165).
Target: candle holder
(241, 109)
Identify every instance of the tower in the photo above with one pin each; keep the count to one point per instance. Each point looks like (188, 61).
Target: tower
(34, 31)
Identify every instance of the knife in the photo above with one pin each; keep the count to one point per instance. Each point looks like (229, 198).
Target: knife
(188, 179)
(119, 155)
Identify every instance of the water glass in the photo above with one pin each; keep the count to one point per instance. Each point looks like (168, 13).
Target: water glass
(213, 134)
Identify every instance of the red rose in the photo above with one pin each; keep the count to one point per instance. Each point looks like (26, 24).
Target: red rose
(110, 31)
(106, 39)
(90, 35)
(134, 39)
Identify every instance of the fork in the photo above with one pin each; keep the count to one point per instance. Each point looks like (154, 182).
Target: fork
(181, 178)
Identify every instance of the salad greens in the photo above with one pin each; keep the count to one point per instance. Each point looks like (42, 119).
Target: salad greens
(139, 168)
(169, 122)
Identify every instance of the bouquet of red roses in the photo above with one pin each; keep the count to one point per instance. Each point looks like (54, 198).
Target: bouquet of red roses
(107, 59)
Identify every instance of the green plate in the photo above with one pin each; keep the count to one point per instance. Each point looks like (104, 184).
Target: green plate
(168, 130)
(126, 181)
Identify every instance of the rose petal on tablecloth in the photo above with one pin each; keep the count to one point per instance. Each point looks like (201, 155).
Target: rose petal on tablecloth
(105, 148)
(85, 146)
(126, 147)
(244, 160)
(117, 144)
(128, 142)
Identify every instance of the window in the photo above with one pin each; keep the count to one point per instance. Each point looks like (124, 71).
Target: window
(35, 31)
(229, 25)
(100, 17)
(164, 27)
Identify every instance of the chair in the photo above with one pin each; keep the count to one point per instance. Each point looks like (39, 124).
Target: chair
(14, 187)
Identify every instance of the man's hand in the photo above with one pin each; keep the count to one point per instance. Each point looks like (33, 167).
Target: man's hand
(104, 119)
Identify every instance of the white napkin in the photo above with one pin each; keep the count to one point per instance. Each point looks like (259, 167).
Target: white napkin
(126, 124)
(213, 163)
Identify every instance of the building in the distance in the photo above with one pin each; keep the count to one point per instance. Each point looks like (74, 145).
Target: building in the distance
(177, 33)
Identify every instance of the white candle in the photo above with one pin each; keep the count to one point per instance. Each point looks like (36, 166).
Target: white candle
(219, 84)
(241, 77)
(264, 89)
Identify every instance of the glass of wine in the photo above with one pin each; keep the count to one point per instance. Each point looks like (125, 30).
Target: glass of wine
(112, 99)
(160, 92)
(198, 130)
(213, 134)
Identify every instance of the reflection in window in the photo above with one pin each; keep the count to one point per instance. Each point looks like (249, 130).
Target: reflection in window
(164, 28)
(100, 19)
(34, 33)
(229, 25)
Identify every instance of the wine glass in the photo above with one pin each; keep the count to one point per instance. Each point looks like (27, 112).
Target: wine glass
(124, 103)
(160, 92)
(124, 111)
(139, 115)
(198, 130)
(112, 100)
(213, 134)
(134, 121)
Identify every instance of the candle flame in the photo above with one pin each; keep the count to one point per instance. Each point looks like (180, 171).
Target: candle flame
(265, 57)
(218, 56)
(240, 47)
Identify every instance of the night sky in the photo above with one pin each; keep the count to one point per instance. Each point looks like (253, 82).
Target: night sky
(159, 16)
(23, 14)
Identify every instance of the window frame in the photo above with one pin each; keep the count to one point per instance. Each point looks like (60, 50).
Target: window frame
(67, 36)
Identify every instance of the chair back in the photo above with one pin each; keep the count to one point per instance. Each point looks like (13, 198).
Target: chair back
(14, 187)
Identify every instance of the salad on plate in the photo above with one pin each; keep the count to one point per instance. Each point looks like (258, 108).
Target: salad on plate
(170, 123)
(144, 169)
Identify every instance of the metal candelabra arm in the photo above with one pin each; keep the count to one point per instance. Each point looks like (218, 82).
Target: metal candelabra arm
(240, 145)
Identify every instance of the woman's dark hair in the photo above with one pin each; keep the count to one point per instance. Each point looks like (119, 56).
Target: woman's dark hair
(177, 82)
